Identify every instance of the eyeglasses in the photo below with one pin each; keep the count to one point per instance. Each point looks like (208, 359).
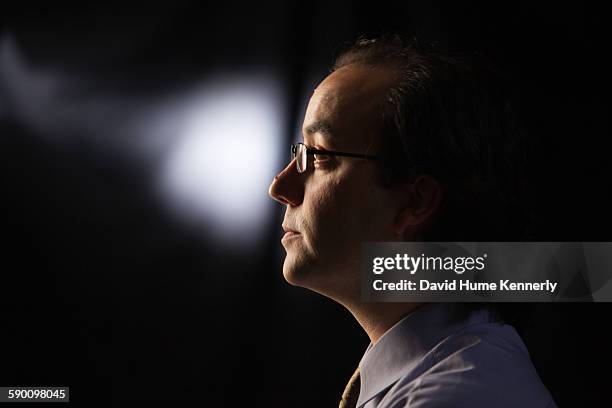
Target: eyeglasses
(300, 152)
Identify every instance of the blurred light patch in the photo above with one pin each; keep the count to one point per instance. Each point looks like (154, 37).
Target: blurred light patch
(217, 171)
(64, 106)
(24, 89)
(213, 148)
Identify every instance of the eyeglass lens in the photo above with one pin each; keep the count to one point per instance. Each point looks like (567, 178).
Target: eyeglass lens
(300, 154)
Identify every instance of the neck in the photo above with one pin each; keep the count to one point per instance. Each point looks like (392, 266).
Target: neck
(377, 318)
(374, 317)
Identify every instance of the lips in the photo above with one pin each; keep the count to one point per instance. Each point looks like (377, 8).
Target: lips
(289, 233)
(290, 230)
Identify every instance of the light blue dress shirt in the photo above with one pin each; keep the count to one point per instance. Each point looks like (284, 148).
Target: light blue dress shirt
(446, 355)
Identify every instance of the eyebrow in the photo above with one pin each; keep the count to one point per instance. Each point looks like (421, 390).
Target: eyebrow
(321, 127)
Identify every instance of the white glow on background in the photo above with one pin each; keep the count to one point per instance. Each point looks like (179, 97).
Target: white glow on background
(221, 163)
(214, 147)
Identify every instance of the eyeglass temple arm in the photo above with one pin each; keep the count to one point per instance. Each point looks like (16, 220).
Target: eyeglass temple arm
(310, 151)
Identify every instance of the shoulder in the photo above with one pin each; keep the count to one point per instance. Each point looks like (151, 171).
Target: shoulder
(481, 365)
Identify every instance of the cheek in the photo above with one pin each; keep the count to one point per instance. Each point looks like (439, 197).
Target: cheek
(320, 208)
(366, 209)
(321, 215)
(341, 211)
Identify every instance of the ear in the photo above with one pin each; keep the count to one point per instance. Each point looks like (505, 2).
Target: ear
(422, 199)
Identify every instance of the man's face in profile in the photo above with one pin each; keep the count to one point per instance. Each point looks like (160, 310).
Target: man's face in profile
(338, 202)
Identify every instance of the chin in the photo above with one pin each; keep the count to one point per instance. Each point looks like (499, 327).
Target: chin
(300, 273)
(297, 271)
(295, 276)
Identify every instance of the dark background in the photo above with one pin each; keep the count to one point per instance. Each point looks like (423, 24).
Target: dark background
(104, 292)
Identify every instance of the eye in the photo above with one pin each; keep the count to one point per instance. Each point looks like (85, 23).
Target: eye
(322, 160)
(321, 157)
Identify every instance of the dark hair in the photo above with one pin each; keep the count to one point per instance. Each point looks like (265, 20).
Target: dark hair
(450, 116)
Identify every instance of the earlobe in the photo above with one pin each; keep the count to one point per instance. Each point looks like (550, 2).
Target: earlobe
(423, 199)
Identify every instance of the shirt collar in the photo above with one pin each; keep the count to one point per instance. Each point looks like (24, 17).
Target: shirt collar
(402, 347)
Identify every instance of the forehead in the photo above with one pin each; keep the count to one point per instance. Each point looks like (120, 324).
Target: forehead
(345, 109)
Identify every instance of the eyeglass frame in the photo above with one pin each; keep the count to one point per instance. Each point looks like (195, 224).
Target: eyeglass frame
(313, 151)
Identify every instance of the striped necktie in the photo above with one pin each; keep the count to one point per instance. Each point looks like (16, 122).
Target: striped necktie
(351, 392)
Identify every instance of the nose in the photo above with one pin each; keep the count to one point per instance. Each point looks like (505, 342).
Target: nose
(288, 187)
